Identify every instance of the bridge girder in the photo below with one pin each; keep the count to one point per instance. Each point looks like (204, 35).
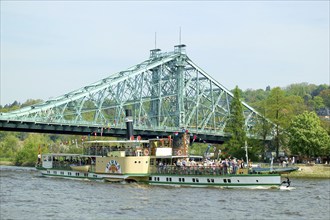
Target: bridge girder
(167, 92)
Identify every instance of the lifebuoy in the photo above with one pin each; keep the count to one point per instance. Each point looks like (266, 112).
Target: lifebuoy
(179, 153)
(146, 152)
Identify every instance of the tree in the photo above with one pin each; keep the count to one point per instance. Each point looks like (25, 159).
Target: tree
(278, 105)
(319, 89)
(325, 95)
(236, 126)
(252, 96)
(295, 106)
(307, 137)
(316, 103)
(9, 146)
(27, 155)
(263, 127)
(31, 102)
(300, 89)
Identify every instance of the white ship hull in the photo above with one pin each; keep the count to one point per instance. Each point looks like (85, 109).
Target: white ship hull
(225, 181)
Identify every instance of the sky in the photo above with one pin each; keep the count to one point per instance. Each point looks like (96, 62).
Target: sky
(49, 48)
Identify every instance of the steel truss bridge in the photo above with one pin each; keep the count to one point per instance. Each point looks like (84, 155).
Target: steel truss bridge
(167, 93)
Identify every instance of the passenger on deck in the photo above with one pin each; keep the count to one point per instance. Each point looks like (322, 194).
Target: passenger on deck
(39, 159)
(242, 164)
(225, 166)
(160, 167)
(250, 163)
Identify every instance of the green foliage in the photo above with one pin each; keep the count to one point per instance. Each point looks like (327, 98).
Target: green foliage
(300, 89)
(278, 107)
(325, 95)
(263, 128)
(236, 127)
(9, 146)
(319, 89)
(307, 137)
(326, 125)
(315, 103)
(253, 96)
(277, 110)
(11, 107)
(256, 149)
(31, 102)
(197, 149)
(27, 155)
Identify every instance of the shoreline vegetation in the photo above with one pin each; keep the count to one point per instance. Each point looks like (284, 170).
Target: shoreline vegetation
(315, 171)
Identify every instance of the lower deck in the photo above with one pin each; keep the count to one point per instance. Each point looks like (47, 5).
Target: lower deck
(228, 181)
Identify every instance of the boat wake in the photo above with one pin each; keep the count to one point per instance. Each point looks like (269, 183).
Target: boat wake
(287, 188)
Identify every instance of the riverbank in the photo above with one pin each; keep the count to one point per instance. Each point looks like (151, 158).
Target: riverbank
(311, 171)
(6, 163)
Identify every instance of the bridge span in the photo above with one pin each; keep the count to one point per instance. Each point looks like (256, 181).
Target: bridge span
(167, 93)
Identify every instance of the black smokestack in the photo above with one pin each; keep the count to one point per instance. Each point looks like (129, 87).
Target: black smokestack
(129, 124)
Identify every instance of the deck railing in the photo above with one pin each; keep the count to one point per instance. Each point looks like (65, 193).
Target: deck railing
(197, 170)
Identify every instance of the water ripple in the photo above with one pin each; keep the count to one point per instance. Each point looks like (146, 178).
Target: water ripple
(24, 194)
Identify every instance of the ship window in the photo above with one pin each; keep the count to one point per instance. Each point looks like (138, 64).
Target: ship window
(197, 180)
(85, 174)
(146, 161)
(208, 180)
(182, 179)
(69, 173)
(224, 180)
(157, 178)
(229, 180)
(170, 179)
(62, 173)
(257, 181)
(237, 180)
(95, 176)
(150, 178)
(139, 161)
(55, 172)
(212, 180)
(179, 179)
(135, 161)
(193, 179)
(48, 171)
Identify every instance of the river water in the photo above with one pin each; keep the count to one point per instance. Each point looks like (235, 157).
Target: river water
(26, 195)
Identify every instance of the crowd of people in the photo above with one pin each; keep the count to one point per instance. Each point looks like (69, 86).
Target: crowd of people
(215, 167)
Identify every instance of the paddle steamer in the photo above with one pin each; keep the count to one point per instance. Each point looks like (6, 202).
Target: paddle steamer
(161, 161)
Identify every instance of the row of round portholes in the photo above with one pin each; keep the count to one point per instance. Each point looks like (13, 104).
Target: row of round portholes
(139, 161)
